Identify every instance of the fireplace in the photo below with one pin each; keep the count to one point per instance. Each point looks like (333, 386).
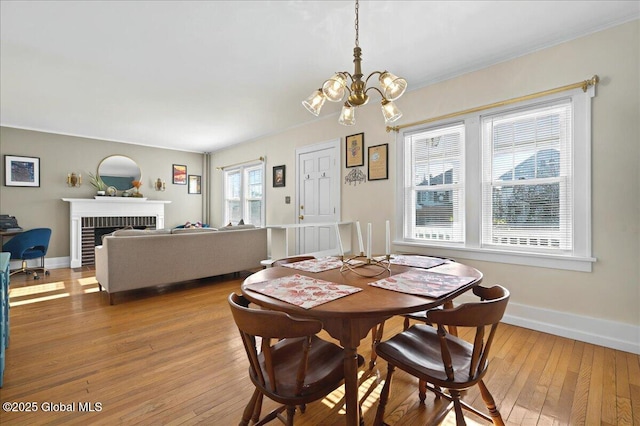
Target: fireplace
(93, 228)
(91, 218)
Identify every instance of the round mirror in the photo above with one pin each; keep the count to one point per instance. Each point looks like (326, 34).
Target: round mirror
(119, 171)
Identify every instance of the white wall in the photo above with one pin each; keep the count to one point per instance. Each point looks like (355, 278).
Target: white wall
(602, 306)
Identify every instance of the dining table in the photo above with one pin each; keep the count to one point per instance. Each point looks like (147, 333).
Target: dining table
(349, 317)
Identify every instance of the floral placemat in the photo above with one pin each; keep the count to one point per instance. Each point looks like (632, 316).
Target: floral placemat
(303, 291)
(316, 265)
(424, 262)
(423, 283)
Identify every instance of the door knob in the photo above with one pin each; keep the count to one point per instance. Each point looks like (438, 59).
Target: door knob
(301, 217)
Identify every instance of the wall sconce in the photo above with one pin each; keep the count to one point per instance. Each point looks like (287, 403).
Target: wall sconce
(74, 180)
(160, 185)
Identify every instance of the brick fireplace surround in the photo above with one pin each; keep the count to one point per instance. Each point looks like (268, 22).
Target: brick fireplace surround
(90, 218)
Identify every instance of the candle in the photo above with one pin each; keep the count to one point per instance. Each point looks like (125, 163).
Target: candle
(368, 240)
(340, 248)
(360, 244)
(388, 244)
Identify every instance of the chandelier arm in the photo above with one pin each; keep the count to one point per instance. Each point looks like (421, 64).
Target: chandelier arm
(376, 89)
(372, 74)
(348, 74)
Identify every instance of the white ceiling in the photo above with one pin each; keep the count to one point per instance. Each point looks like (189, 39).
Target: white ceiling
(203, 75)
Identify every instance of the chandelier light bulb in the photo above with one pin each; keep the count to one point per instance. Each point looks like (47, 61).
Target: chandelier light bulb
(390, 111)
(333, 88)
(348, 115)
(314, 102)
(392, 86)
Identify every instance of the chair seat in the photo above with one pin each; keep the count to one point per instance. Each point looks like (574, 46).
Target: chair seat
(326, 358)
(33, 253)
(417, 350)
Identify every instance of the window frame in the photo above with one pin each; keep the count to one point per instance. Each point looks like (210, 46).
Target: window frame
(244, 197)
(579, 259)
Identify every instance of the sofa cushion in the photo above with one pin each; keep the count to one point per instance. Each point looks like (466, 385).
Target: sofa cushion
(128, 232)
(192, 230)
(134, 232)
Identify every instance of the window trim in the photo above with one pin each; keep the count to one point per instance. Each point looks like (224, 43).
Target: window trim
(579, 260)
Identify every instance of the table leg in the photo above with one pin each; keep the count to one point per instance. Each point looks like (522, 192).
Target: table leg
(350, 332)
(351, 385)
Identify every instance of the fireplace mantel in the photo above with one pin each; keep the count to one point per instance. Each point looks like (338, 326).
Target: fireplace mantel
(107, 207)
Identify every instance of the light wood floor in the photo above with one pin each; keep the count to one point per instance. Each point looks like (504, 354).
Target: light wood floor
(173, 356)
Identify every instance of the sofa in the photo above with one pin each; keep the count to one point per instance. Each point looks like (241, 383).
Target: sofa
(134, 259)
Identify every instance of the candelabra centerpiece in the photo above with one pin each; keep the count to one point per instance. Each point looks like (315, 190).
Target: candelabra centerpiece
(366, 267)
(364, 264)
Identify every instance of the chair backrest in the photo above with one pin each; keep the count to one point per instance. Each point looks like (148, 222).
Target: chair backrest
(264, 325)
(292, 259)
(488, 312)
(37, 238)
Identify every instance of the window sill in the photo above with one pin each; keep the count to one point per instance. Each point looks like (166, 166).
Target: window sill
(571, 263)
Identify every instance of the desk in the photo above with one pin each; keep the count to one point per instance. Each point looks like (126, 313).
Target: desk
(4, 234)
(281, 234)
(349, 319)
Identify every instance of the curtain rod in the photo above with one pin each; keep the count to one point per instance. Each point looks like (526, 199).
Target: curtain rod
(582, 84)
(239, 164)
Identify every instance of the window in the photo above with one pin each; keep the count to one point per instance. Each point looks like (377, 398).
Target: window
(434, 189)
(244, 194)
(510, 184)
(527, 191)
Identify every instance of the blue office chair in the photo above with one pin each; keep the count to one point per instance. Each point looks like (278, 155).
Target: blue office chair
(31, 244)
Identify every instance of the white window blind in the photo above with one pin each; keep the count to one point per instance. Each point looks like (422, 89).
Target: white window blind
(434, 185)
(527, 179)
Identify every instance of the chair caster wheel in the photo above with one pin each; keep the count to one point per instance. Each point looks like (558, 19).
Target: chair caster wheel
(47, 273)
(36, 277)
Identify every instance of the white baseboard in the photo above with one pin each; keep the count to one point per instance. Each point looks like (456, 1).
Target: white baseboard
(49, 263)
(610, 334)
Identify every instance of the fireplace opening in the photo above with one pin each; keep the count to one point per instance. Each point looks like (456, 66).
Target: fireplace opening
(94, 228)
(98, 233)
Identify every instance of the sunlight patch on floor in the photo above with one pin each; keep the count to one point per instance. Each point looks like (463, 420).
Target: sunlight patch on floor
(38, 299)
(87, 281)
(36, 289)
(369, 388)
(42, 293)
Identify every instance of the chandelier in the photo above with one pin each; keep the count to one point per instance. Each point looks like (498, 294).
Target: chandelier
(335, 89)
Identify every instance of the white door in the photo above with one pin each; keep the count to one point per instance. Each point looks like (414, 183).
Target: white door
(318, 197)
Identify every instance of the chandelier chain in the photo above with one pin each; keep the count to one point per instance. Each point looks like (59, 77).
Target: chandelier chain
(357, 25)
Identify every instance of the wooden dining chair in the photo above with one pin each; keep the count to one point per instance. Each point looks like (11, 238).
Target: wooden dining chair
(442, 361)
(288, 363)
(421, 316)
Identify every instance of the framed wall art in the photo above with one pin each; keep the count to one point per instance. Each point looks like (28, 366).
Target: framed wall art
(279, 176)
(179, 174)
(378, 162)
(354, 145)
(195, 184)
(21, 171)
